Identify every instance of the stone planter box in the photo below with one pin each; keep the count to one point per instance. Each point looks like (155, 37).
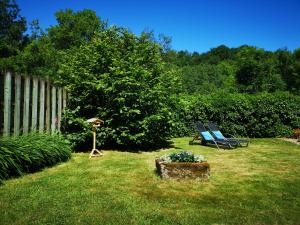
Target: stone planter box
(182, 170)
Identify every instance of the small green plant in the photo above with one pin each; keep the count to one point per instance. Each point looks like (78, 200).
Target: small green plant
(183, 156)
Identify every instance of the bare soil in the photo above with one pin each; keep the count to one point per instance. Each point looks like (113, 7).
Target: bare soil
(293, 140)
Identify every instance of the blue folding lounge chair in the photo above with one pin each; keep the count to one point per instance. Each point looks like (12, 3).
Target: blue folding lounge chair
(207, 138)
(217, 134)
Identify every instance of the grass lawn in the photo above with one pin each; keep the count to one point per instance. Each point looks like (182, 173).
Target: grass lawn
(255, 185)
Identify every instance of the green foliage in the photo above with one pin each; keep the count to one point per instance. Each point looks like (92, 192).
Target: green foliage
(30, 153)
(39, 58)
(207, 78)
(214, 56)
(218, 54)
(74, 28)
(119, 78)
(77, 130)
(245, 69)
(45, 51)
(12, 28)
(260, 115)
(12, 37)
(295, 72)
(182, 156)
(257, 71)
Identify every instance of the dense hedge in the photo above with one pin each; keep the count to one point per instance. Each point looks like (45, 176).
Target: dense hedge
(30, 153)
(260, 115)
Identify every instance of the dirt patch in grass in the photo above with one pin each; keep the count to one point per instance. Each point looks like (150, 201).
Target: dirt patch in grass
(292, 140)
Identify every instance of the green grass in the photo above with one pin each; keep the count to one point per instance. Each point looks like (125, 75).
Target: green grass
(255, 185)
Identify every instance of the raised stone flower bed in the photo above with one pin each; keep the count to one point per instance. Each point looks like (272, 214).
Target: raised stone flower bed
(194, 168)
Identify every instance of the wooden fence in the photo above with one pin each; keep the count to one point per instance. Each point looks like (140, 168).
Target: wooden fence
(29, 104)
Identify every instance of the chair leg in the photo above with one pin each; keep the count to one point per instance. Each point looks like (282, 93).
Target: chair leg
(216, 145)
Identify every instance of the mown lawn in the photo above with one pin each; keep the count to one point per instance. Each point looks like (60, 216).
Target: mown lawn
(255, 185)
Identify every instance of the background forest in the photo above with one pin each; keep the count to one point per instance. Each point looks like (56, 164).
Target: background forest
(145, 91)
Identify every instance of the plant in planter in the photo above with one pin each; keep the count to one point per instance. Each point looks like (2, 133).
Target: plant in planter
(182, 165)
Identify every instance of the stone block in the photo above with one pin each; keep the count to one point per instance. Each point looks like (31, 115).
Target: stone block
(182, 170)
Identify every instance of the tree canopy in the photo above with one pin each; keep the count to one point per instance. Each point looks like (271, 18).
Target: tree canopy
(74, 28)
(118, 78)
(252, 69)
(12, 28)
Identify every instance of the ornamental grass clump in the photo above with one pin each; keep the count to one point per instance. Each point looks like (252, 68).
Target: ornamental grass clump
(31, 153)
(183, 156)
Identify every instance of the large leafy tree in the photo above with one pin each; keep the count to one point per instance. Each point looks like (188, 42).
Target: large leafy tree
(118, 78)
(40, 58)
(295, 76)
(207, 78)
(12, 28)
(257, 71)
(47, 50)
(287, 67)
(218, 54)
(74, 28)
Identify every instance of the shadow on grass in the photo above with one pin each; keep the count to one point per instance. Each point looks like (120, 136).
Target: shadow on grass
(221, 147)
(132, 149)
(156, 173)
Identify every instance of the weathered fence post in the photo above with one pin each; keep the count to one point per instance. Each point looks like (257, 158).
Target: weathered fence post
(7, 103)
(26, 105)
(34, 104)
(59, 106)
(17, 114)
(48, 107)
(64, 98)
(53, 111)
(42, 107)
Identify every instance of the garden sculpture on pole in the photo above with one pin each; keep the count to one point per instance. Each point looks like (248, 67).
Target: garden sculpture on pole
(95, 122)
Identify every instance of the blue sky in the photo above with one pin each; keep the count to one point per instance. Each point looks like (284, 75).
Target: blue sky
(193, 25)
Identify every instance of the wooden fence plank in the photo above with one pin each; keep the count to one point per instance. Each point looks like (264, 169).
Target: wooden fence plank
(59, 107)
(26, 105)
(42, 107)
(53, 111)
(34, 104)
(64, 98)
(48, 107)
(17, 110)
(7, 103)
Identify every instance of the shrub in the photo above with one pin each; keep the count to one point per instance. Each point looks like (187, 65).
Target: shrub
(118, 77)
(30, 153)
